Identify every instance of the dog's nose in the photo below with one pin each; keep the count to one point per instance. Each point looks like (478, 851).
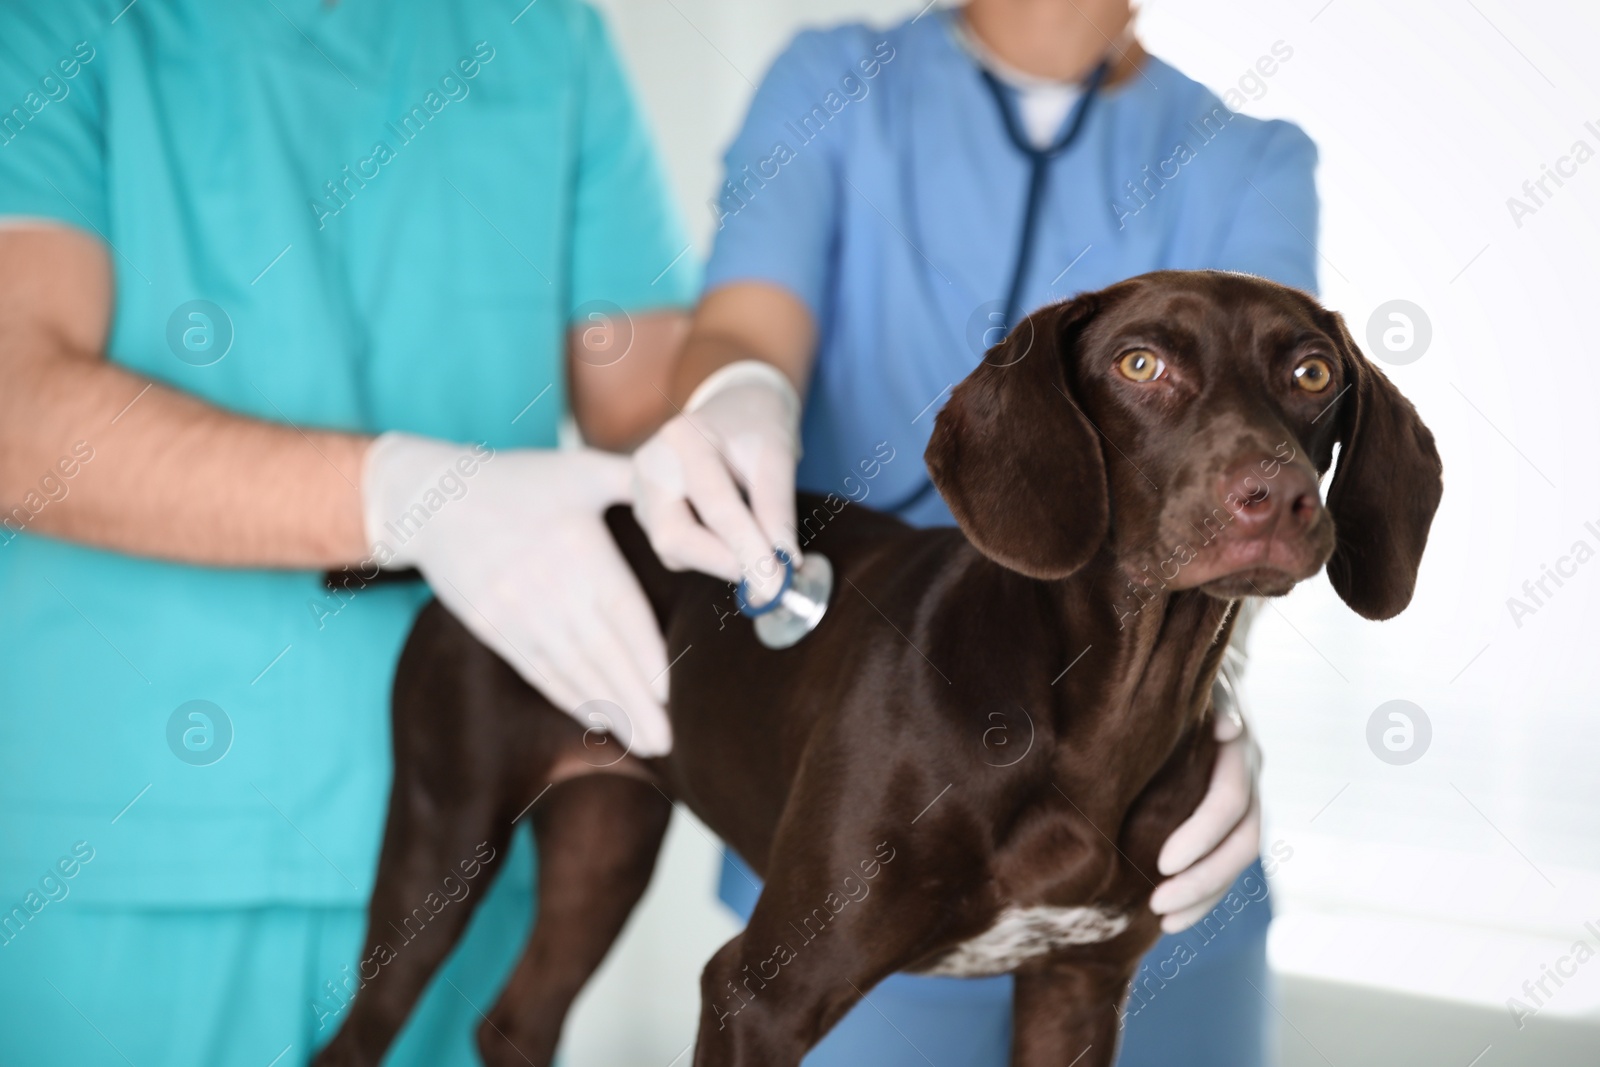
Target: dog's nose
(1267, 498)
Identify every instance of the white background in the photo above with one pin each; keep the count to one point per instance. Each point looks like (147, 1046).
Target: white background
(1460, 874)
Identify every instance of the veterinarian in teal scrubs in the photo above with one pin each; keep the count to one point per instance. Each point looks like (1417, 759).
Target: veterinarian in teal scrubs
(236, 240)
(875, 236)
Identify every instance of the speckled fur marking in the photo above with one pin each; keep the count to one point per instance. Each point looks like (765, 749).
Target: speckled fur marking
(1019, 934)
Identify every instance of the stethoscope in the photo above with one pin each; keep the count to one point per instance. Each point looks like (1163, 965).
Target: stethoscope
(1039, 160)
(803, 597)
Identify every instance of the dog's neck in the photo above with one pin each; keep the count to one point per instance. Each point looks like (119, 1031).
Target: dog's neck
(1146, 671)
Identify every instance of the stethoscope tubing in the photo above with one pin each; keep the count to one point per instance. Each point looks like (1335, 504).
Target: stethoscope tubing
(1039, 160)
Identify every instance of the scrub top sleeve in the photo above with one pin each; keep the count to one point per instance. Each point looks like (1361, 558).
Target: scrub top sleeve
(52, 150)
(629, 245)
(1274, 231)
(778, 204)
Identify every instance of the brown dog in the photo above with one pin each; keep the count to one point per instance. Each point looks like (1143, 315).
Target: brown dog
(1123, 468)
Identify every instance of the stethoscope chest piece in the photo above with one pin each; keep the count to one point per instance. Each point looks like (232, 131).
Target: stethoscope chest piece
(799, 605)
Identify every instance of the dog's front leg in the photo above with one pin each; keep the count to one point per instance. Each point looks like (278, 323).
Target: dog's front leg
(1067, 1013)
(843, 908)
(770, 994)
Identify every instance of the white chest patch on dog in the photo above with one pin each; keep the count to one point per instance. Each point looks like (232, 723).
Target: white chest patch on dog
(1020, 934)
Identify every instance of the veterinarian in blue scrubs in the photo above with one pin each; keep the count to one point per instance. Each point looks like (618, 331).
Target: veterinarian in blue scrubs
(236, 241)
(869, 237)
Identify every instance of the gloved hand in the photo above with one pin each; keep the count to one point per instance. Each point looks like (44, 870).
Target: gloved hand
(741, 428)
(1222, 837)
(514, 545)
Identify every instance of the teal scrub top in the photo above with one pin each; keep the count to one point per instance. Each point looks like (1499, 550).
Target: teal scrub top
(374, 215)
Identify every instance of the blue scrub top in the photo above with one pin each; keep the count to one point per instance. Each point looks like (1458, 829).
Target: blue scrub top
(398, 206)
(874, 180)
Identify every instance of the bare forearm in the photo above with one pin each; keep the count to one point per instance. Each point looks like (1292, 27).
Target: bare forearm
(621, 398)
(168, 475)
(747, 320)
(702, 354)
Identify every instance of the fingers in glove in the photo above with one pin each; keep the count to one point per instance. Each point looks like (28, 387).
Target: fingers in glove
(1229, 721)
(628, 614)
(683, 544)
(607, 477)
(661, 504)
(617, 662)
(565, 681)
(601, 668)
(517, 648)
(715, 496)
(1180, 921)
(772, 502)
(1227, 799)
(1211, 877)
(554, 684)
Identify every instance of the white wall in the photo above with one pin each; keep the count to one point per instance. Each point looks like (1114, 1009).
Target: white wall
(1459, 874)
(697, 62)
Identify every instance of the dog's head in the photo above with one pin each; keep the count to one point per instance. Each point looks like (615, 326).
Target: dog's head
(1180, 421)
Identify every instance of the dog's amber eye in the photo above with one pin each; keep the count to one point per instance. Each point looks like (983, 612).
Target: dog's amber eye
(1313, 375)
(1141, 365)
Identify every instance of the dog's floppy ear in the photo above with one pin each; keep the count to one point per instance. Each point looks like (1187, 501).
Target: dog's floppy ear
(1385, 491)
(1016, 460)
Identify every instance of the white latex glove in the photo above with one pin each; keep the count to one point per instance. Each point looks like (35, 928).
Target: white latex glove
(741, 428)
(513, 543)
(1223, 836)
